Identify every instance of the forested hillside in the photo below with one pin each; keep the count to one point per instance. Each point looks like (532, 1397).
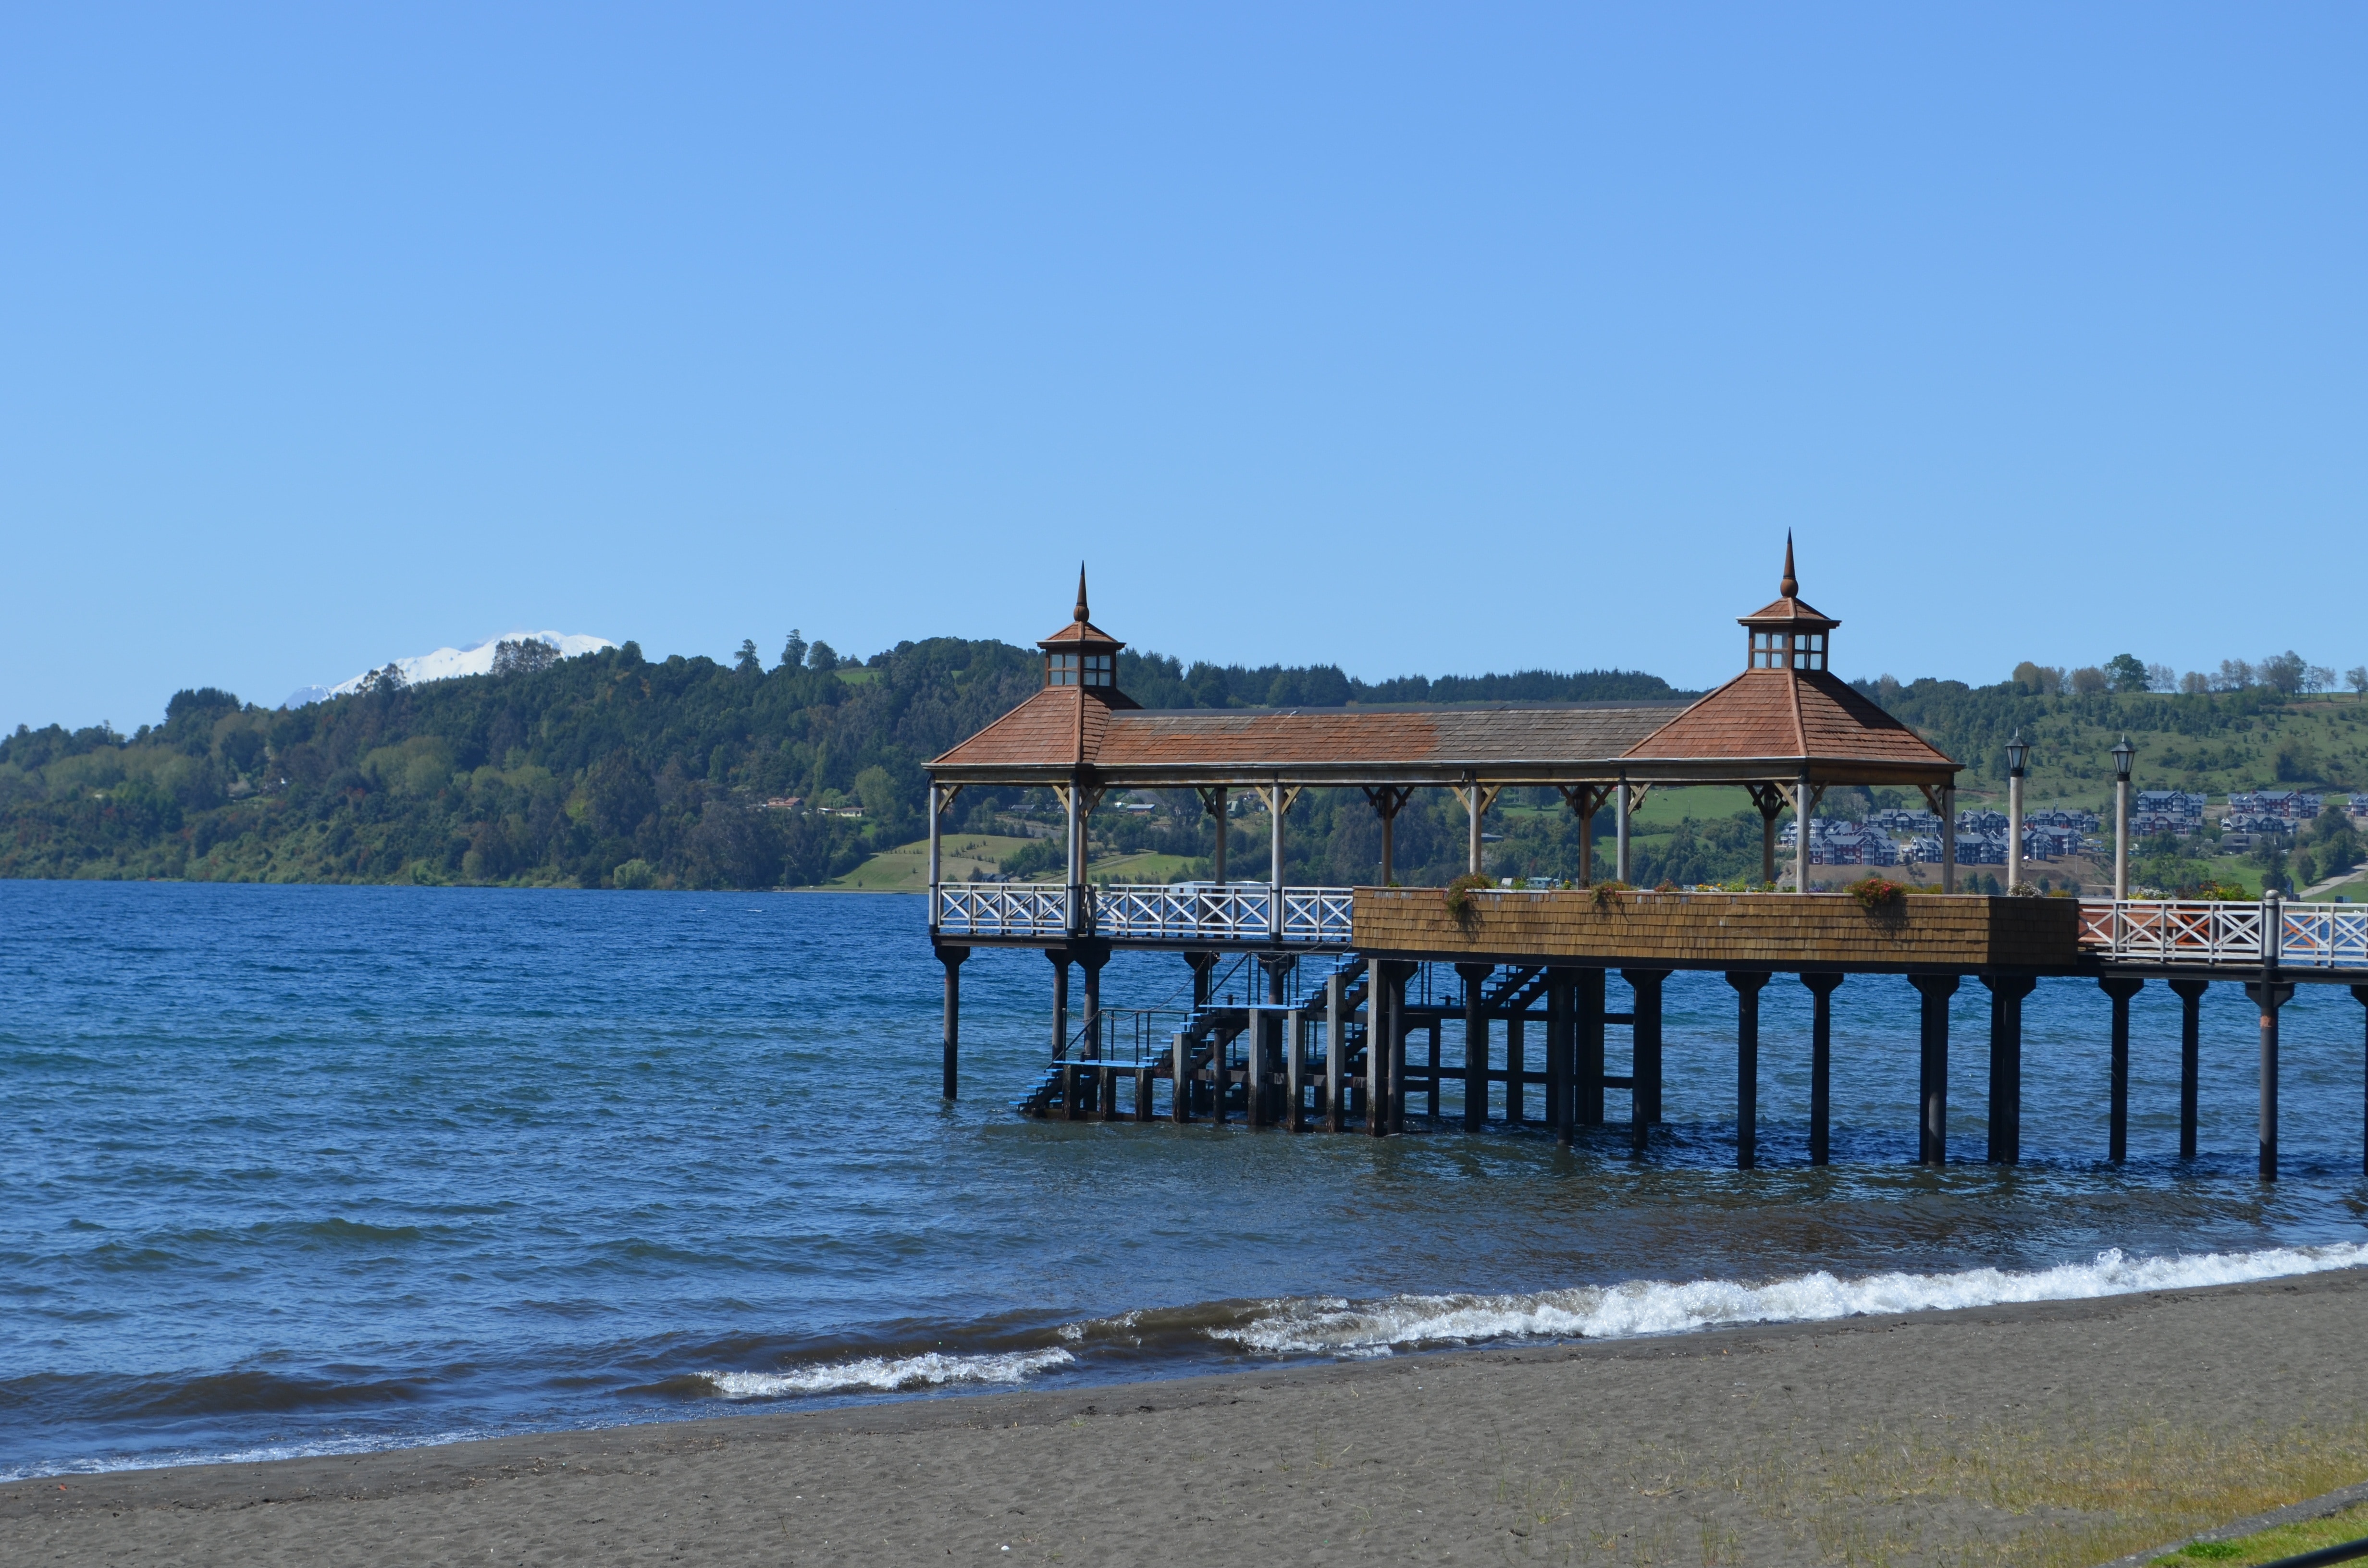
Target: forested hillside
(604, 770)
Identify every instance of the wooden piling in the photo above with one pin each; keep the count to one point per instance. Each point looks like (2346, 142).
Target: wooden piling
(1747, 984)
(1588, 1073)
(952, 959)
(1377, 1049)
(1179, 1094)
(1645, 1033)
(1932, 1076)
(1430, 1106)
(1476, 1043)
(2269, 995)
(1335, 1052)
(1821, 1063)
(1294, 1114)
(1514, 1093)
(2191, 1058)
(1560, 1037)
(2007, 992)
(2121, 988)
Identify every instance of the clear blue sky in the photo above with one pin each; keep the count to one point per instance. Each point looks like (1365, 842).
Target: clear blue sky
(1424, 339)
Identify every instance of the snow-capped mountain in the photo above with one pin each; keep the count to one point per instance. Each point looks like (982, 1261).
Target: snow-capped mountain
(476, 659)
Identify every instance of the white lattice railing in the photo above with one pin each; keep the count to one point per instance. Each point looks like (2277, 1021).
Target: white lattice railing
(1003, 909)
(1206, 912)
(2209, 931)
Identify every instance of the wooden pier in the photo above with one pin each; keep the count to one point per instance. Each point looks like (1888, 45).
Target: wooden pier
(1345, 1002)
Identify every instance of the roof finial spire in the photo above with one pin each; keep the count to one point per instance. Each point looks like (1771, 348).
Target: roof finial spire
(1082, 614)
(1790, 587)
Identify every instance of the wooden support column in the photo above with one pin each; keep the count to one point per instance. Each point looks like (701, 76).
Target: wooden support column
(2191, 1058)
(1258, 1066)
(1560, 1037)
(1932, 1076)
(1060, 957)
(1336, 1050)
(1386, 799)
(952, 959)
(1588, 1075)
(2121, 988)
(1212, 801)
(1747, 984)
(1091, 957)
(1473, 807)
(1399, 974)
(1948, 838)
(1378, 1027)
(2268, 997)
(1821, 1064)
(2007, 992)
(1294, 1071)
(1620, 828)
(1430, 1105)
(1770, 800)
(935, 862)
(1143, 1093)
(1204, 976)
(1180, 1098)
(1475, 1044)
(1514, 1053)
(1645, 1068)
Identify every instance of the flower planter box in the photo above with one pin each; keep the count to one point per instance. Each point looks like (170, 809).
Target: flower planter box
(1721, 930)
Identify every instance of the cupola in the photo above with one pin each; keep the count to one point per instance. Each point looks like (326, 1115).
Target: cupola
(1788, 634)
(1082, 653)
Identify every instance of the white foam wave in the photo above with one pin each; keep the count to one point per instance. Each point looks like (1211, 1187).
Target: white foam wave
(1338, 1326)
(889, 1373)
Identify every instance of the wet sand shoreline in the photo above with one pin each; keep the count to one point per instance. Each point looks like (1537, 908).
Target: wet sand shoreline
(1770, 1444)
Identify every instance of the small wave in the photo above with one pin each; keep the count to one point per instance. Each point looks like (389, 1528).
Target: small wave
(1340, 1327)
(889, 1374)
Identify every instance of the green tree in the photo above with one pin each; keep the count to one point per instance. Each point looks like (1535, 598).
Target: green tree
(2125, 673)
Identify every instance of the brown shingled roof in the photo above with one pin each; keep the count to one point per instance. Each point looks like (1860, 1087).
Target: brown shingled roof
(1807, 717)
(1372, 744)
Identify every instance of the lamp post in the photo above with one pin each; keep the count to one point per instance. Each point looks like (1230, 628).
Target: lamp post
(2123, 754)
(2017, 754)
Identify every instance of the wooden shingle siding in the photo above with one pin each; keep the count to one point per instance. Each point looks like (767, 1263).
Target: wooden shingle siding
(1737, 931)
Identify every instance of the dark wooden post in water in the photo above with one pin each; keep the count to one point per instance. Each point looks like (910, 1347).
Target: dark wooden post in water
(1060, 957)
(2007, 992)
(1431, 1096)
(1377, 1048)
(1933, 1078)
(1180, 1100)
(1514, 1053)
(1399, 974)
(2191, 1057)
(1588, 1075)
(952, 959)
(1336, 1051)
(1091, 956)
(1560, 1038)
(1645, 1069)
(2121, 988)
(1747, 984)
(1204, 978)
(1821, 1064)
(1476, 1043)
(2359, 994)
(2268, 997)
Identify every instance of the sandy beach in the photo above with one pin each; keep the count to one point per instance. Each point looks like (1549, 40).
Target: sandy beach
(2062, 1432)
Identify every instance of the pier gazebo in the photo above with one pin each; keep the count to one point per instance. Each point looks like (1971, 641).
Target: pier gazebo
(1354, 967)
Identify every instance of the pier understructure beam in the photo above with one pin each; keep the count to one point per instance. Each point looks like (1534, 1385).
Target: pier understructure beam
(1562, 986)
(2191, 1058)
(1096, 1092)
(1747, 984)
(1645, 1010)
(2269, 995)
(1587, 1057)
(1821, 1063)
(952, 959)
(1932, 1076)
(1476, 1043)
(2007, 992)
(1060, 960)
(2121, 988)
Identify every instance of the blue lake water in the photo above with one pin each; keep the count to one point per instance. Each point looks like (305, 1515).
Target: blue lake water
(292, 1169)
